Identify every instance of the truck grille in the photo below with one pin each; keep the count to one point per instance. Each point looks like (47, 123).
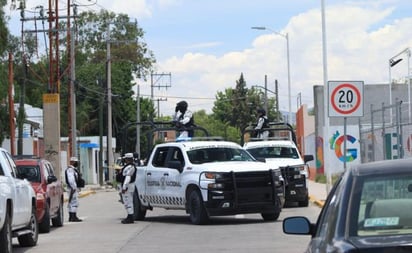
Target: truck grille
(251, 187)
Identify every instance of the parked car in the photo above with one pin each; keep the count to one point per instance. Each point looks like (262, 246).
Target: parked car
(48, 188)
(367, 210)
(17, 207)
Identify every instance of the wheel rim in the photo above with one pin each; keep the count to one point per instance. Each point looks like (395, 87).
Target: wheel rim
(33, 226)
(61, 213)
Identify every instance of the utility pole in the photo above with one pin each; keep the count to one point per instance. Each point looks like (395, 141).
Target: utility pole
(277, 100)
(266, 95)
(51, 99)
(159, 80)
(11, 106)
(109, 106)
(71, 103)
(138, 128)
(109, 101)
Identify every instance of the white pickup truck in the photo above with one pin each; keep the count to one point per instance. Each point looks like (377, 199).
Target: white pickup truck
(17, 207)
(280, 150)
(207, 178)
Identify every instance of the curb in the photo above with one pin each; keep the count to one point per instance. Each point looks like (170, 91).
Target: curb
(319, 203)
(82, 194)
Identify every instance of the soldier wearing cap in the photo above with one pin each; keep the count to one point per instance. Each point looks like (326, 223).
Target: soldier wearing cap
(127, 186)
(72, 179)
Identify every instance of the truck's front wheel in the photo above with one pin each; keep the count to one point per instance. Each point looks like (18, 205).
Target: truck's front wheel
(198, 213)
(5, 235)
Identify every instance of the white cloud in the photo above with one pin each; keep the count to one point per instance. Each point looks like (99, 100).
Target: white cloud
(359, 45)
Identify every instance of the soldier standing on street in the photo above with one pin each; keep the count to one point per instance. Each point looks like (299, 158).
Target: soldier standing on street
(127, 187)
(72, 179)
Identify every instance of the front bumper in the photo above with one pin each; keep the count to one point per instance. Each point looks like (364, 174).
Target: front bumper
(247, 192)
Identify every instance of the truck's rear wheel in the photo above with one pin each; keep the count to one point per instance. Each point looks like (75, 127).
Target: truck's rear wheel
(198, 213)
(270, 216)
(30, 239)
(304, 203)
(5, 235)
(139, 210)
(59, 219)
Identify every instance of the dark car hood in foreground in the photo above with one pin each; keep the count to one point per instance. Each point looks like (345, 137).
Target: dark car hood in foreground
(380, 244)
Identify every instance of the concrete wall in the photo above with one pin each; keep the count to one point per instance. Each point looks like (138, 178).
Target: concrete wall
(374, 96)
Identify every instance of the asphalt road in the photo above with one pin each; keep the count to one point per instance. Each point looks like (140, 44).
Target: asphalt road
(166, 231)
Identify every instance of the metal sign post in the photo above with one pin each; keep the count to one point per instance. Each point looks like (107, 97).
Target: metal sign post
(345, 100)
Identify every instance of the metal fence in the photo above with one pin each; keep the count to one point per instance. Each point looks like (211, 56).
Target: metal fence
(386, 132)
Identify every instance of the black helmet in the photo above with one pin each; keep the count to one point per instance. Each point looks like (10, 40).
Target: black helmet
(181, 106)
(262, 111)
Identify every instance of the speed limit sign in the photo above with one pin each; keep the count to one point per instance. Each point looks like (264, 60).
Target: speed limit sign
(345, 98)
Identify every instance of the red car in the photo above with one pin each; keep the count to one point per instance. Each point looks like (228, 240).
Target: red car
(48, 188)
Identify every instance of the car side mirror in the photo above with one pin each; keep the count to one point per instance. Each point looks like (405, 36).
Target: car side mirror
(175, 165)
(51, 179)
(297, 225)
(308, 158)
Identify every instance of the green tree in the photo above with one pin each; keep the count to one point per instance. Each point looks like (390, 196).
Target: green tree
(130, 59)
(214, 126)
(4, 34)
(237, 106)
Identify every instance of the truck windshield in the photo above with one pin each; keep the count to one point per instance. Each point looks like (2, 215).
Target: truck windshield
(31, 173)
(274, 152)
(218, 154)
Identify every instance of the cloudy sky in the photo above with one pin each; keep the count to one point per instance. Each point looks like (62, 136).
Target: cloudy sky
(207, 44)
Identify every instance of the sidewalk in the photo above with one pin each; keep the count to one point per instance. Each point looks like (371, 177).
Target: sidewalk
(317, 192)
(88, 190)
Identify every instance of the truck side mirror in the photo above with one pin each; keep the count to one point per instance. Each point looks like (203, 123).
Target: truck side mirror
(175, 165)
(308, 158)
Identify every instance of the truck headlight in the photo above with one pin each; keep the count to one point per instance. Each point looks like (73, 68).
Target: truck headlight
(214, 186)
(213, 175)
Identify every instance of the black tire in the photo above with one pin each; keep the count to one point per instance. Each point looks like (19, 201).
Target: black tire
(139, 211)
(30, 239)
(6, 236)
(198, 213)
(304, 203)
(270, 216)
(44, 225)
(59, 219)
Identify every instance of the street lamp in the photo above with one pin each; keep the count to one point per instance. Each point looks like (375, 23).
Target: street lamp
(392, 62)
(286, 36)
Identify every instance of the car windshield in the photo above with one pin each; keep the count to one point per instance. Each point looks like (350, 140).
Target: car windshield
(274, 152)
(218, 154)
(385, 205)
(31, 173)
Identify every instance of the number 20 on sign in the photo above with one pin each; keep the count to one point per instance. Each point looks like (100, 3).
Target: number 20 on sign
(345, 98)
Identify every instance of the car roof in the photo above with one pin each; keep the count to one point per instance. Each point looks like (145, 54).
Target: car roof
(28, 161)
(196, 144)
(383, 167)
(257, 144)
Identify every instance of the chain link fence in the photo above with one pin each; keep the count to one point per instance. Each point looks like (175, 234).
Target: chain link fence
(386, 132)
